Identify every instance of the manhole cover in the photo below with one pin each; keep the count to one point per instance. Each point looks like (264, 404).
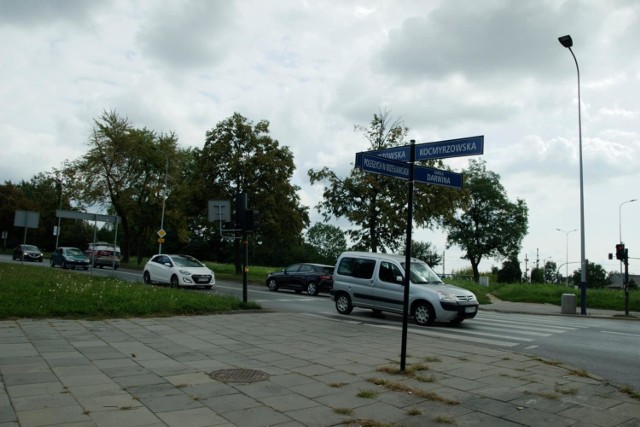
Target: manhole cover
(239, 375)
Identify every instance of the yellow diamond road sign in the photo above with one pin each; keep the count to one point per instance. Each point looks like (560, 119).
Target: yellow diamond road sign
(162, 233)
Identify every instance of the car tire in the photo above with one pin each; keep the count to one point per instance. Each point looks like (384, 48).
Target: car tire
(272, 285)
(343, 304)
(312, 288)
(52, 263)
(64, 265)
(208, 287)
(175, 282)
(146, 277)
(423, 314)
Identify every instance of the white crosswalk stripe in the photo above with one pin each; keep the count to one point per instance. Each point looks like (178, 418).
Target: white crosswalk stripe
(495, 329)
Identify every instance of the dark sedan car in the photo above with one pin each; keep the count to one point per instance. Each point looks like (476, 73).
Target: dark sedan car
(27, 253)
(312, 278)
(67, 257)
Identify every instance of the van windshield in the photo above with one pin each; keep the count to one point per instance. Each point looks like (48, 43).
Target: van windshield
(421, 273)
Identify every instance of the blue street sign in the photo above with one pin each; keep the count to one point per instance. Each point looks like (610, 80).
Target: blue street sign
(439, 177)
(471, 146)
(400, 154)
(382, 166)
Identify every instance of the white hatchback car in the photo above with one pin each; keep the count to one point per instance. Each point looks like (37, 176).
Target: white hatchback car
(178, 270)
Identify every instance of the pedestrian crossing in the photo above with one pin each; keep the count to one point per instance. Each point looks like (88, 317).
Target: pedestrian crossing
(506, 330)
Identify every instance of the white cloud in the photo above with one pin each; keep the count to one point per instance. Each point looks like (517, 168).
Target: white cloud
(449, 69)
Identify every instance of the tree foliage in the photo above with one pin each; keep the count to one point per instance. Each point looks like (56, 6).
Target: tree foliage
(423, 251)
(488, 225)
(375, 204)
(596, 276)
(240, 157)
(510, 271)
(328, 242)
(124, 170)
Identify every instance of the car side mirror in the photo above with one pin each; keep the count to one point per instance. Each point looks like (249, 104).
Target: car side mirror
(168, 264)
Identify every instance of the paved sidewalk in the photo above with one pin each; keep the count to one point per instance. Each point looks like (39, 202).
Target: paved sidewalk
(281, 369)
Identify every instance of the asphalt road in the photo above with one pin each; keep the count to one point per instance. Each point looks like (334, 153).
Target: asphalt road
(609, 348)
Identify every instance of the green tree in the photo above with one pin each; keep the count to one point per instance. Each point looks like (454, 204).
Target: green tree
(596, 276)
(510, 271)
(537, 275)
(328, 241)
(376, 205)
(423, 251)
(124, 171)
(240, 157)
(550, 272)
(488, 225)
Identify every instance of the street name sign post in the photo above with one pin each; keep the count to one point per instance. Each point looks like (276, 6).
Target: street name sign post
(26, 219)
(399, 162)
(470, 146)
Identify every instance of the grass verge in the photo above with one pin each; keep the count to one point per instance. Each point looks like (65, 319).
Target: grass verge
(43, 292)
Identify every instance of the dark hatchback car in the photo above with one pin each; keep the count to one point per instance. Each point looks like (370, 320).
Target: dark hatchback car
(67, 257)
(312, 278)
(27, 253)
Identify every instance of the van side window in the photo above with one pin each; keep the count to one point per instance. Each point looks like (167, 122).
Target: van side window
(360, 268)
(390, 273)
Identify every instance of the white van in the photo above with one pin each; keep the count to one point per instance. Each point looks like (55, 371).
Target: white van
(375, 281)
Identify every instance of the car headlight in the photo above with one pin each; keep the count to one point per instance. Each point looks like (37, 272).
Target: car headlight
(185, 272)
(445, 296)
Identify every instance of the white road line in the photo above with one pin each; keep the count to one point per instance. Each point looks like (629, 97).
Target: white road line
(621, 333)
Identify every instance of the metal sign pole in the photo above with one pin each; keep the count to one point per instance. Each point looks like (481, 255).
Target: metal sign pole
(407, 263)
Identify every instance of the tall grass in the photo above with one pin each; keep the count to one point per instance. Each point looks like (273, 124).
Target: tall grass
(35, 292)
(608, 299)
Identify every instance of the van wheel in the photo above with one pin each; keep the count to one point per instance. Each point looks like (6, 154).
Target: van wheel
(273, 286)
(343, 304)
(312, 289)
(423, 314)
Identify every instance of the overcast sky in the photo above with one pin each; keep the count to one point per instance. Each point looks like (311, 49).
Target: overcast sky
(448, 69)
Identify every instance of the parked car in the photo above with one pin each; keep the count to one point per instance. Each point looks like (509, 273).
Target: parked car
(69, 257)
(376, 281)
(27, 253)
(178, 270)
(312, 278)
(104, 254)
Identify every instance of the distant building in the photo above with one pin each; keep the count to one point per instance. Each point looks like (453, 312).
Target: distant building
(617, 280)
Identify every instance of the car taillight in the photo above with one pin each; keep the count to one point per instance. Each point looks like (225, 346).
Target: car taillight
(325, 277)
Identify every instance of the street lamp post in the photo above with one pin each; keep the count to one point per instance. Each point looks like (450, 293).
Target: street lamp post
(567, 42)
(164, 199)
(567, 252)
(620, 216)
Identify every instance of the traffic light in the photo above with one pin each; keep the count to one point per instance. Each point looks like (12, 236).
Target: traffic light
(241, 208)
(620, 252)
(252, 220)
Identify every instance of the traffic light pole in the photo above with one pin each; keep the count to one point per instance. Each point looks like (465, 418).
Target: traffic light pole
(626, 281)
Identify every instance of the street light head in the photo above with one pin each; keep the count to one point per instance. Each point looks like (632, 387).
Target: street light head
(566, 41)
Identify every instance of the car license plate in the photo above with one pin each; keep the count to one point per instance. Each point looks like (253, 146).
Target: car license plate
(469, 309)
